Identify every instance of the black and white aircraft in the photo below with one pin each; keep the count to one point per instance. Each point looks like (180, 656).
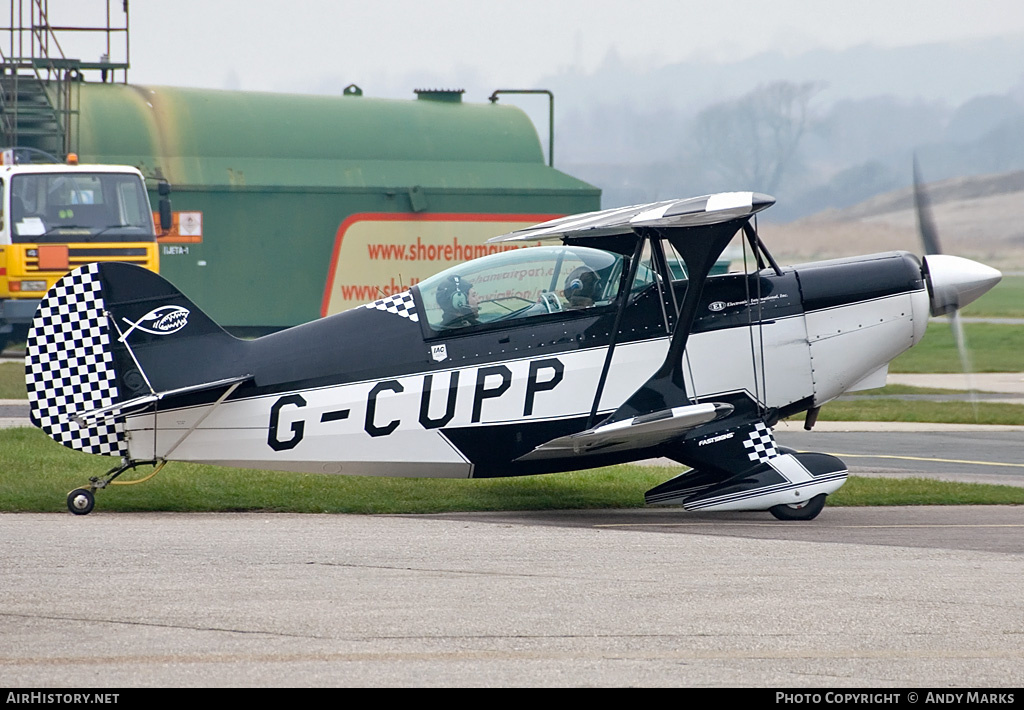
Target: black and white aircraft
(613, 344)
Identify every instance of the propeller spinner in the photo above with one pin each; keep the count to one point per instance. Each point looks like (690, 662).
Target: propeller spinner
(953, 281)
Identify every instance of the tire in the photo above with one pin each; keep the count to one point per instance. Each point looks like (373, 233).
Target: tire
(802, 511)
(81, 501)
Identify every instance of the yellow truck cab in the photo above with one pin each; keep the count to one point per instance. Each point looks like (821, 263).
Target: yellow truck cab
(55, 217)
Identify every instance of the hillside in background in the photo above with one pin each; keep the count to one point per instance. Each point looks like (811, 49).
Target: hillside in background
(980, 217)
(819, 130)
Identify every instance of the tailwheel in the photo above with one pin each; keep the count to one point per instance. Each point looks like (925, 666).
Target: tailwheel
(808, 510)
(81, 501)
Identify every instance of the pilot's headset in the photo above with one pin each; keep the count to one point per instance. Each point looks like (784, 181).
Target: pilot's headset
(459, 298)
(581, 283)
(453, 296)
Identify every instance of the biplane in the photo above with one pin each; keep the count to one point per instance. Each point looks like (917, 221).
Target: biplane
(606, 339)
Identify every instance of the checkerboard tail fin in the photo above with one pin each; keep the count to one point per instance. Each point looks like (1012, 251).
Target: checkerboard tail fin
(69, 364)
(108, 333)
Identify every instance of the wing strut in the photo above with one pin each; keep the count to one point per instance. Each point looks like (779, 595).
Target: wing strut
(625, 293)
(700, 248)
(759, 248)
(698, 230)
(200, 420)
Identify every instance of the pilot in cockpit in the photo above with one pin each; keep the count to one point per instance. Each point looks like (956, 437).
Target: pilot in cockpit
(459, 303)
(581, 287)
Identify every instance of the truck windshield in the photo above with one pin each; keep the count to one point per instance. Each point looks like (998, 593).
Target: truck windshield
(80, 207)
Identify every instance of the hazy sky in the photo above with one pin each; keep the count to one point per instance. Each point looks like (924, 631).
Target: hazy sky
(391, 47)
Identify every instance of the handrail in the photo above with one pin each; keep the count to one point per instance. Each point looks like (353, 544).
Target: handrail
(43, 32)
(45, 54)
(493, 98)
(47, 63)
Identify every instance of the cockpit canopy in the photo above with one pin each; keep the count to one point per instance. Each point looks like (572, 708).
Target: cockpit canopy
(520, 283)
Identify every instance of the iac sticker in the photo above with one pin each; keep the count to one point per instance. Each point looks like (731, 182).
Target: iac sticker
(439, 353)
(159, 321)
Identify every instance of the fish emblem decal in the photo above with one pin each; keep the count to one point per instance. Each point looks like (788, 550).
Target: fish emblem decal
(159, 321)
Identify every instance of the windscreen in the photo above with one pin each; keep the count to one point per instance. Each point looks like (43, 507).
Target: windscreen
(80, 207)
(523, 283)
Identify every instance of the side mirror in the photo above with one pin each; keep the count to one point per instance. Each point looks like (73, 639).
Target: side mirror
(165, 213)
(164, 188)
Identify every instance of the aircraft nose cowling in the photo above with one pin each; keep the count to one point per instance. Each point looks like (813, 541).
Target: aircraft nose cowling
(953, 281)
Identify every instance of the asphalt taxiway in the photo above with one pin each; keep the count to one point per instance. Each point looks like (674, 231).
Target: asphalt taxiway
(889, 597)
(860, 597)
(975, 454)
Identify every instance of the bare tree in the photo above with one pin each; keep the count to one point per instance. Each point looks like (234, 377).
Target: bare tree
(751, 141)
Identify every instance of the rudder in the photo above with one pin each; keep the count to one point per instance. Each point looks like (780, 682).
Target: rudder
(69, 365)
(107, 333)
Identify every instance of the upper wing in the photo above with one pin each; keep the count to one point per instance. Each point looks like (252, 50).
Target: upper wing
(691, 212)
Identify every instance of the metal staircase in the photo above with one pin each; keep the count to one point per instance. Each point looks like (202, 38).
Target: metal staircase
(39, 82)
(30, 117)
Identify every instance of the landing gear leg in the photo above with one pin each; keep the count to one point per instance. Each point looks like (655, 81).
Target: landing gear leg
(81, 501)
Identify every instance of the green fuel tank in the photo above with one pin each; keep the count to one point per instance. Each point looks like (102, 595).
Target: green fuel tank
(290, 207)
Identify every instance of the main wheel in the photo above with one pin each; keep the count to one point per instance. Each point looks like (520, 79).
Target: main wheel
(808, 510)
(81, 501)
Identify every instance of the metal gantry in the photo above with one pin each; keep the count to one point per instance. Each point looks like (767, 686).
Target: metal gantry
(39, 80)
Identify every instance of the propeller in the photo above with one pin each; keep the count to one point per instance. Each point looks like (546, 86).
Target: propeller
(953, 282)
(925, 222)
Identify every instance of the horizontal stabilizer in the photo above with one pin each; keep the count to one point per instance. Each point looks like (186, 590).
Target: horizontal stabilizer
(640, 432)
(88, 418)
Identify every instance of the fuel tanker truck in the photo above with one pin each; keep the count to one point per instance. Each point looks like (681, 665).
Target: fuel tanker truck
(287, 207)
(291, 207)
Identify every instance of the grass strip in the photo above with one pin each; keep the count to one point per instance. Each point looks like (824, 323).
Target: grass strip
(36, 475)
(899, 410)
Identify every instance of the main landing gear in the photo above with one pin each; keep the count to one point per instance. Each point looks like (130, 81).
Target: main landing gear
(81, 501)
(808, 510)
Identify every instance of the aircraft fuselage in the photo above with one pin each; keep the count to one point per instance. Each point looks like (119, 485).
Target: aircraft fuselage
(406, 402)
(617, 345)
